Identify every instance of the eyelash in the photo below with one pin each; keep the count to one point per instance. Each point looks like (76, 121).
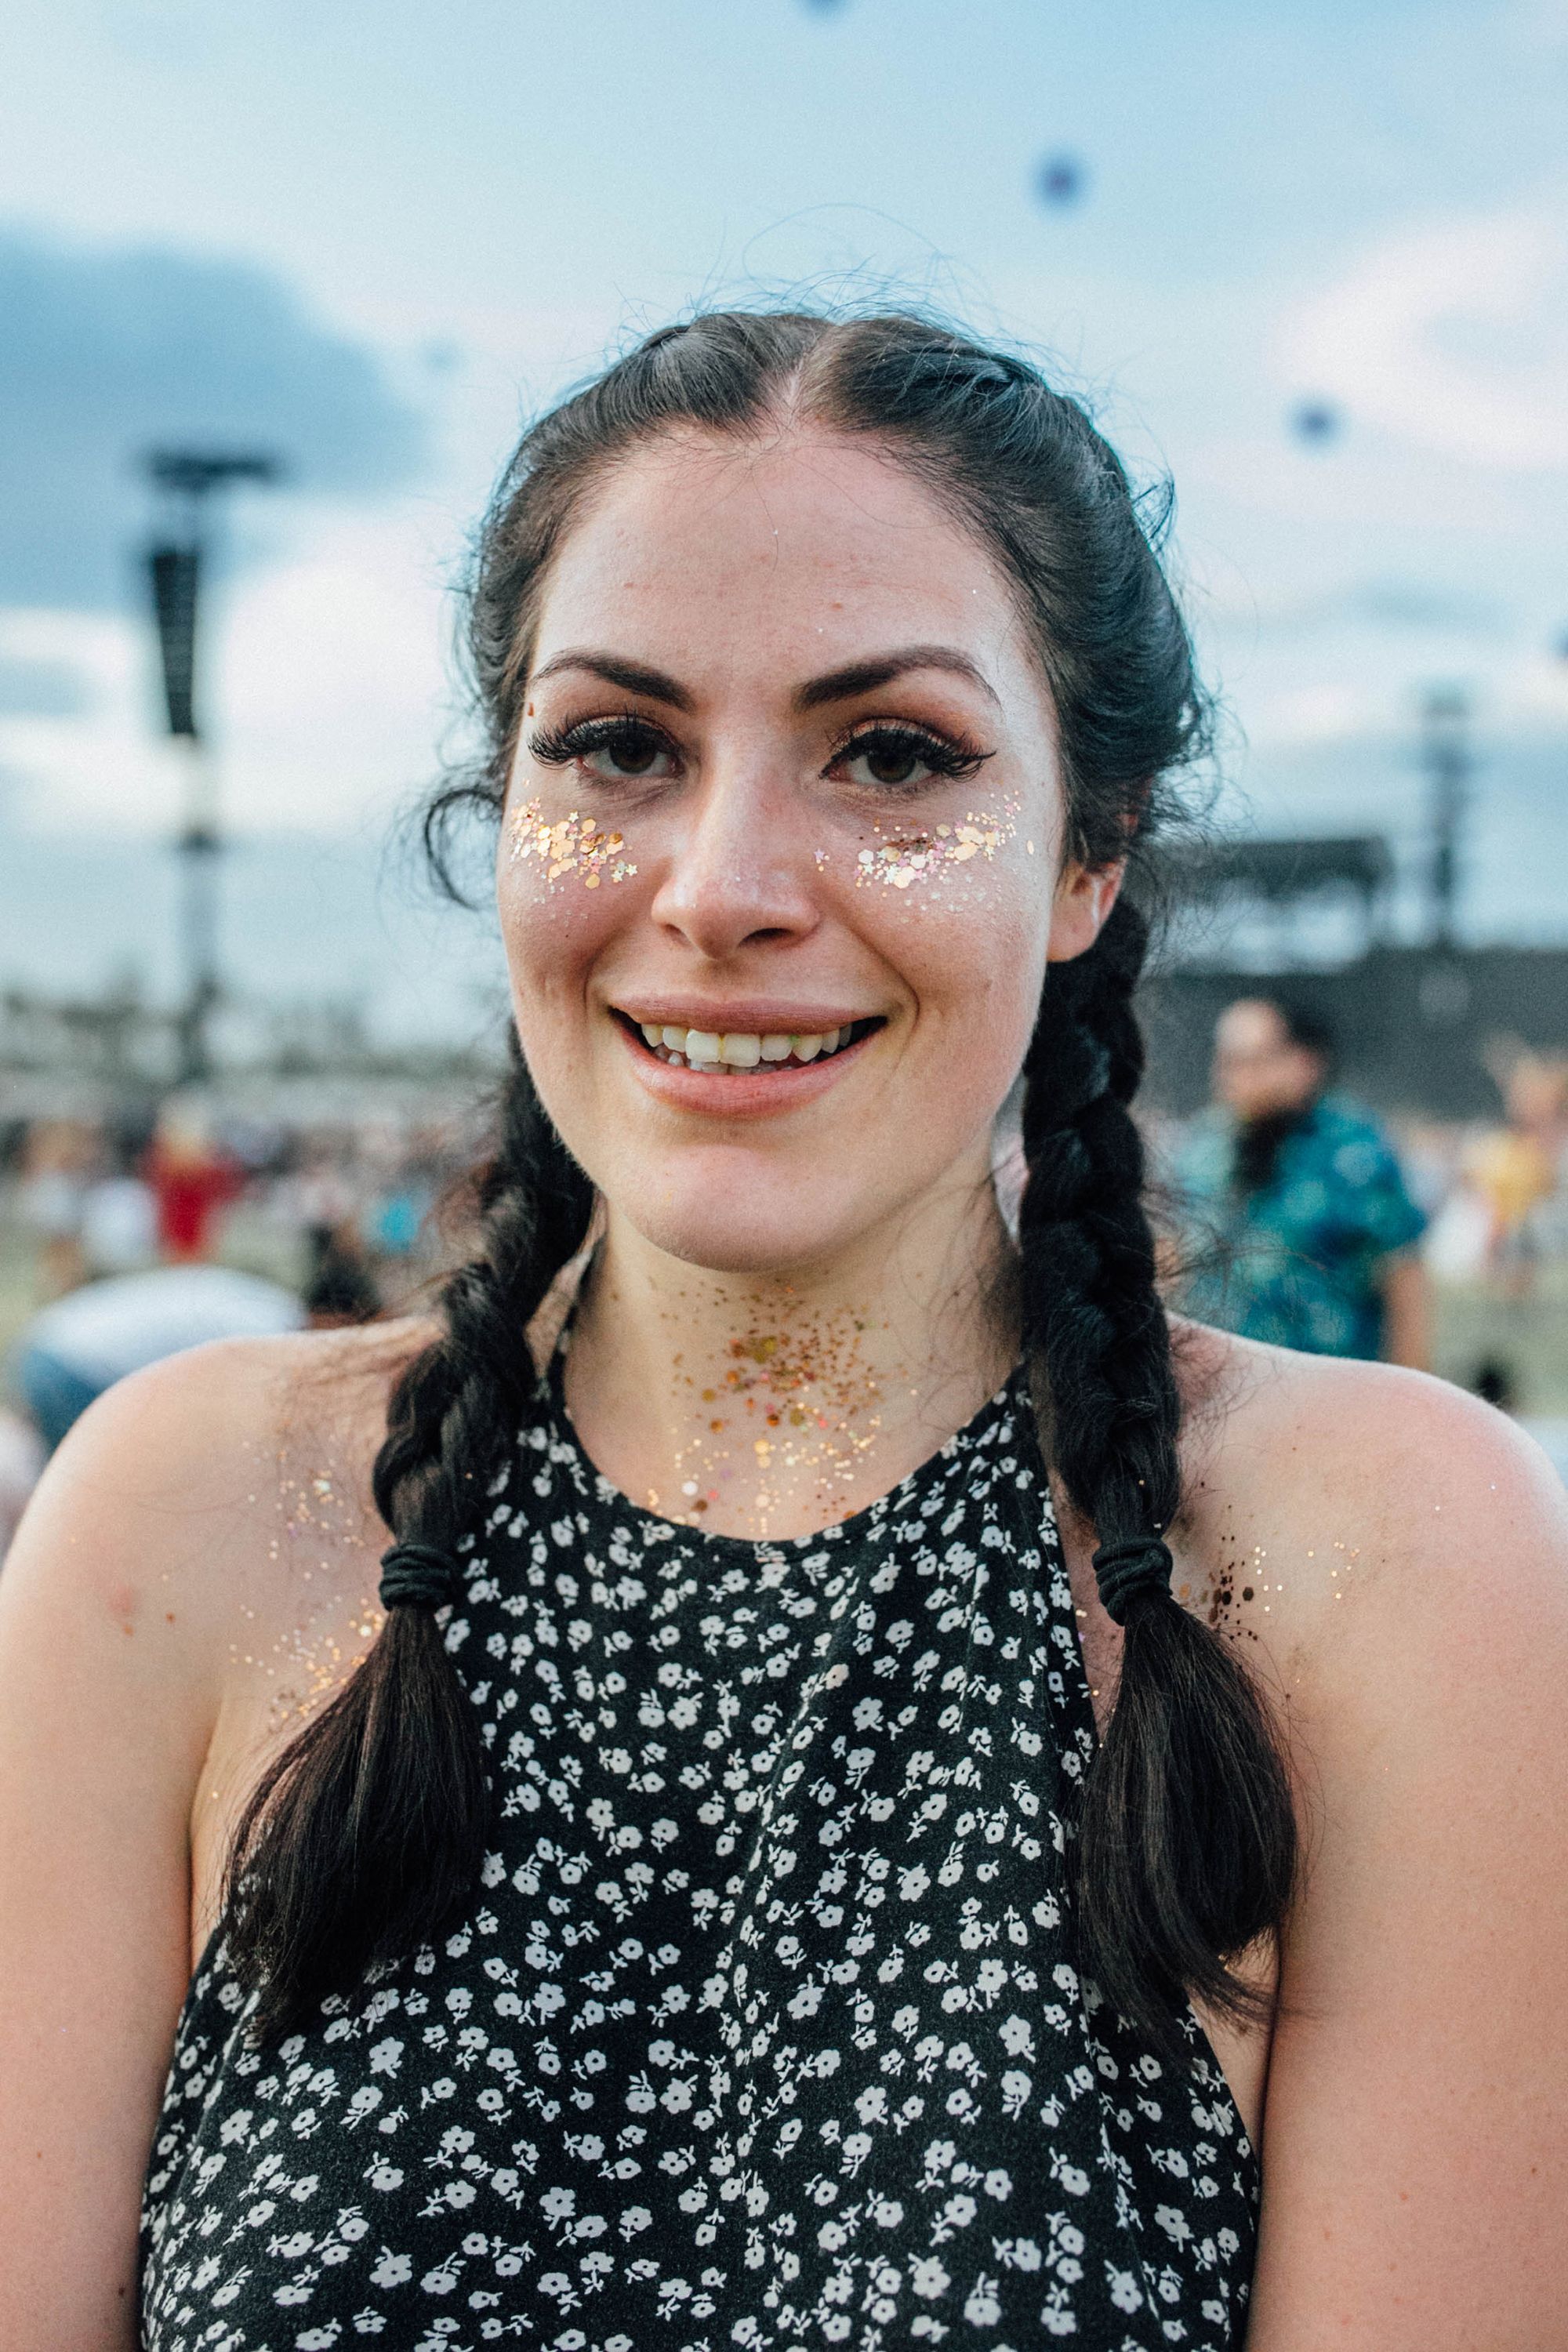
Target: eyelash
(953, 758)
(557, 747)
(950, 758)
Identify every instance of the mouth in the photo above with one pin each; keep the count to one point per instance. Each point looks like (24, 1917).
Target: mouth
(742, 1053)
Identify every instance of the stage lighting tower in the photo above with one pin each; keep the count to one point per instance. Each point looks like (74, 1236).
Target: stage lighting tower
(189, 482)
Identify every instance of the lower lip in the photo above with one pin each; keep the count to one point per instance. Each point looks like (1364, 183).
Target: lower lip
(743, 1094)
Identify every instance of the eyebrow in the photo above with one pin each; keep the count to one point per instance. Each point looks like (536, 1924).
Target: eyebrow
(632, 677)
(834, 686)
(864, 676)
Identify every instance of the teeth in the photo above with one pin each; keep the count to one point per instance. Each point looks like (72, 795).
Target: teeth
(739, 1049)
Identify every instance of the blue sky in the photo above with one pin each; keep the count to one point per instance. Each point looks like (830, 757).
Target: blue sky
(375, 236)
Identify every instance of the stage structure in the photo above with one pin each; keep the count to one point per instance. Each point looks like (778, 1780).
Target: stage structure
(188, 482)
(1421, 1021)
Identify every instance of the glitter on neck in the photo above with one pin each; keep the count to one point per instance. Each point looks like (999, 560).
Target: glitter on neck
(574, 846)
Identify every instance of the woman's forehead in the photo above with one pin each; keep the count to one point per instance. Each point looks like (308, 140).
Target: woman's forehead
(810, 550)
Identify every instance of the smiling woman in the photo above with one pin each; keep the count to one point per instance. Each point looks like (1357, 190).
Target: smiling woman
(806, 1850)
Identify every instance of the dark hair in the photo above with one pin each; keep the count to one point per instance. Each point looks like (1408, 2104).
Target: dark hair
(368, 1833)
(1310, 1031)
(1259, 1140)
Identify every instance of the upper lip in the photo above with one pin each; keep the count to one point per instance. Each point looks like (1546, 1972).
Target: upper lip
(743, 1016)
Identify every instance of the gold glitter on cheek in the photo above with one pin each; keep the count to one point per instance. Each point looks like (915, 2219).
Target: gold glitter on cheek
(573, 846)
(906, 858)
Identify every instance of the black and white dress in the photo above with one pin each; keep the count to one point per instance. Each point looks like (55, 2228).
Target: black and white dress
(763, 2029)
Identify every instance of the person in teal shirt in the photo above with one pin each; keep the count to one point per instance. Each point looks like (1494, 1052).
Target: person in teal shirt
(1300, 1227)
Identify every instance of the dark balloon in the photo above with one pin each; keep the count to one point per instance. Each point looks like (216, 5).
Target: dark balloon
(1314, 420)
(1060, 180)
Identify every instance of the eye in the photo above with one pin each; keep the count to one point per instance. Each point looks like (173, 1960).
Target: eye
(628, 751)
(617, 751)
(901, 758)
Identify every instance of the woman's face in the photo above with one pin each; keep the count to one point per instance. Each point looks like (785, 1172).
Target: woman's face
(781, 860)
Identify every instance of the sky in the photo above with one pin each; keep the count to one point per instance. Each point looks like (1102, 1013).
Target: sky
(373, 239)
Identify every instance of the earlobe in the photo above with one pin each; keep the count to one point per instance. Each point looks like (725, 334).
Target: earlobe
(1084, 897)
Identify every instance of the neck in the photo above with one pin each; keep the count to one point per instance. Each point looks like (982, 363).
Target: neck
(777, 1403)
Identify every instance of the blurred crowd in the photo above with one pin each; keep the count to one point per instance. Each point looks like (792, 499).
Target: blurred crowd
(1290, 1215)
(122, 1241)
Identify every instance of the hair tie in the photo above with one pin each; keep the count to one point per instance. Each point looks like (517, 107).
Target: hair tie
(417, 1576)
(1125, 1572)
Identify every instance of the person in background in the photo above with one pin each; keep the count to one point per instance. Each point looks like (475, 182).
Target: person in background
(1303, 1193)
(1515, 1168)
(193, 1180)
(119, 1224)
(74, 1349)
(57, 1158)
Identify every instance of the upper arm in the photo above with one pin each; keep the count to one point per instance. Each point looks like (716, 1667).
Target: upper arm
(1415, 2144)
(108, 1688)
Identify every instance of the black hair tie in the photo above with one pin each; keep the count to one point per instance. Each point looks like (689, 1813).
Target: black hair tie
(1128, 1571)
(417, 1576)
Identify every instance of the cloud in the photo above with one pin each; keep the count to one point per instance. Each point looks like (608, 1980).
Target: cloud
(105, 351)
(329, 692)
(1453, 336)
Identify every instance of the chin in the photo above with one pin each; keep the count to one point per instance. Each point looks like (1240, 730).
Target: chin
(737, 1220)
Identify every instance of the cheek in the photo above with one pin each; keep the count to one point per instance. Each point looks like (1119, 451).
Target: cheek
(566, 853)
(559, 906)
(969, 940)
(945, 863)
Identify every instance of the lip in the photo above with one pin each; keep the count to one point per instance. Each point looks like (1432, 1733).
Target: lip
(762, 1092)
(756, 1016)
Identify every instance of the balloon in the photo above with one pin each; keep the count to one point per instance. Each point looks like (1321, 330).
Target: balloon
(1060, 180)
(1314, 420)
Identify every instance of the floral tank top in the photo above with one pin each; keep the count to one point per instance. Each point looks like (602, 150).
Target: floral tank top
(763, 2029)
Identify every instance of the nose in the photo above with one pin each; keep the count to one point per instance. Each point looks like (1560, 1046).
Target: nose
(741, 871)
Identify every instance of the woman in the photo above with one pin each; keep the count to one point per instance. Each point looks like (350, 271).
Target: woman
(752, 1881)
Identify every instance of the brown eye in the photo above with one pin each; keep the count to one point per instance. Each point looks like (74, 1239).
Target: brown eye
(886, 765)
(901, 758)
(888, 759)
(629, 751)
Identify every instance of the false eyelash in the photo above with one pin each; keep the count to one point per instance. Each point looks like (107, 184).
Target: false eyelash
(557, 747)
(943, 755)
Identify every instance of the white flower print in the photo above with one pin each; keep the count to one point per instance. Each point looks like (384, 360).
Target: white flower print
(764, 2027)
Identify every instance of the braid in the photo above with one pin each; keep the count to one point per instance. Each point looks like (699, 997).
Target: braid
(368, 1831)
(1188, 1844)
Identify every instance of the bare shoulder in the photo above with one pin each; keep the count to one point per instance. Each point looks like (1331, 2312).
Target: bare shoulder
(1314, 1484)
(167, 1509)
(1391, 1556)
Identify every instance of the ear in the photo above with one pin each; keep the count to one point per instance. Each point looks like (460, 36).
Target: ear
(1084, 896)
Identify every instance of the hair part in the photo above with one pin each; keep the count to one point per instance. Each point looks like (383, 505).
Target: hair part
(368, 1833)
